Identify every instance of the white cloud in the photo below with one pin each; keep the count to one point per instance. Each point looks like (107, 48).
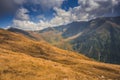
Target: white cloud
(22, 21)
(90, 9)
(62, 17)
(21, 14)
(87, 9)
(89, 4)
(25, 25)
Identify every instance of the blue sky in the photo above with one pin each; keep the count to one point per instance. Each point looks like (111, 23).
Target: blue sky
(39, 14)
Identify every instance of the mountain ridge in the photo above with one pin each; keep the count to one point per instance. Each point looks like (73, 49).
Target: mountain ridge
(101, 33)
(97, 33)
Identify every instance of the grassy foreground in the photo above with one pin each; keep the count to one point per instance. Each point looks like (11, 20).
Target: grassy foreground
(25, 59)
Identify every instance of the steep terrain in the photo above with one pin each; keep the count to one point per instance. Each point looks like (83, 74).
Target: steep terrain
(98, 38)
(101, 43)
(24, 59)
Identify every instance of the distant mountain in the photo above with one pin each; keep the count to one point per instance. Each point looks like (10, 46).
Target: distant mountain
(101, 40)
(98, 38)
(22, 58)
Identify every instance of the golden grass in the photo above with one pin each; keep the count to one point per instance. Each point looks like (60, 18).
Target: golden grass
(25, 59)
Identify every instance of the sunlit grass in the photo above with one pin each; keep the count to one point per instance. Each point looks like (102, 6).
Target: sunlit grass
(25, 59)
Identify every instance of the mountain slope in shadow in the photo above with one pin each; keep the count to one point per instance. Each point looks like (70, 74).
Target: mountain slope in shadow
(98, 38)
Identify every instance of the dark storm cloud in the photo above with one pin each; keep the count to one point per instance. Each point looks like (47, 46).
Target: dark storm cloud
(11, 6)
(8, 7)
(117, 9)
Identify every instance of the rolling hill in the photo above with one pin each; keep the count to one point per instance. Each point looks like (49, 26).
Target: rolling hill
(22, 58)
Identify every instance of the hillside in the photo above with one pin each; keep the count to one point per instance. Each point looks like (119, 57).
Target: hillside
(24, 59)
(100, 41)
(49, 35)
(98, 38)
(30, 34)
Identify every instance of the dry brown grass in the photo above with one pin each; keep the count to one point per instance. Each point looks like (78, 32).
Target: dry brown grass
(25, 59)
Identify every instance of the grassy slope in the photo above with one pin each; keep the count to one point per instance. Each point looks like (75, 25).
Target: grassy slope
(25, 59)
(55, 38)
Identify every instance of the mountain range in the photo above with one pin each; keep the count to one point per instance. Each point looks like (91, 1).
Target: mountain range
(98, 38)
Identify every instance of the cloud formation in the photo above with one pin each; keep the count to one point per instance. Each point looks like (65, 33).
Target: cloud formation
(22, 18)
(22, 14)
(87, 9)
(11, 6)
(97, 8)
(48, 3)
(62, 17)
(22, 21)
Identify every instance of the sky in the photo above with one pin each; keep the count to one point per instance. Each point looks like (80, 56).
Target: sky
(40, 14)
